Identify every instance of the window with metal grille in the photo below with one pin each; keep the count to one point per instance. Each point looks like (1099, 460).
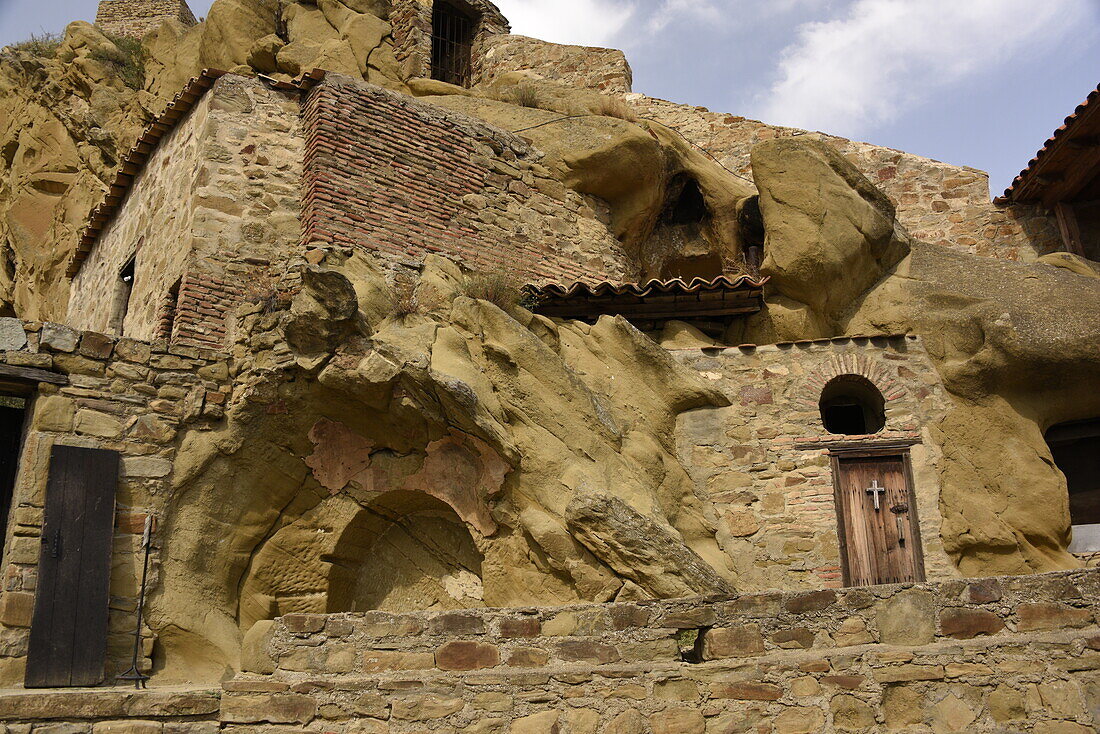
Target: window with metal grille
(452, 39)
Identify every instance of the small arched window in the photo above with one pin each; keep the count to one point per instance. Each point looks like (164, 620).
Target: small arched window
(851, 405)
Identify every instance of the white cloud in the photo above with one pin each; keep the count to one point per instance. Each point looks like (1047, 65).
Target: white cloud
(582, 22)
(693, 10)
(883, 57)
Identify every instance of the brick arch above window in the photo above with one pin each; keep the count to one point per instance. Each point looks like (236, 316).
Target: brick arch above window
(861, 365)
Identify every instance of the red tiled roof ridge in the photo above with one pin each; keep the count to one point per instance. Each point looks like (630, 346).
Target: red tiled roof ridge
(1067, 125)
(133, 163)
(695, 285)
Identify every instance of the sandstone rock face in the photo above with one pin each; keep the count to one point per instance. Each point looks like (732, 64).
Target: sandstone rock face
(1013, 343)
(441, 459)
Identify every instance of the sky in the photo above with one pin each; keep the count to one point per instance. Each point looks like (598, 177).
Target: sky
(981, 83)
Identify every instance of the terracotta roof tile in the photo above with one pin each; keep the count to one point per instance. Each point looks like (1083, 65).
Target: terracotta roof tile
(1090, 102)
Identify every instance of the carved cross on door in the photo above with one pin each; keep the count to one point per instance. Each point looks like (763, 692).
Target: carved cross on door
(876, 491)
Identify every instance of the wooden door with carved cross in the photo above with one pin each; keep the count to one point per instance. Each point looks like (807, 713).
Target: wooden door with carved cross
(879, 534)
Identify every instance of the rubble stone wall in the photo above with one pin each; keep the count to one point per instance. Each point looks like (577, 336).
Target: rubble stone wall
(213, 216)
(404, 179)
(1001, 654)
(124, 395)
(936, 202)
(135, 18)
(602, 69)
(773, 498)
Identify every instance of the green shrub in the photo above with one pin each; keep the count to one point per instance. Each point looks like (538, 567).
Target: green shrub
(40, 44)
(128, 62)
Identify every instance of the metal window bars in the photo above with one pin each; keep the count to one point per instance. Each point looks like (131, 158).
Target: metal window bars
(452, 41)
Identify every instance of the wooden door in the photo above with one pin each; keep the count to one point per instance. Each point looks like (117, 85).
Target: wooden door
(879, 535)
(68, 644)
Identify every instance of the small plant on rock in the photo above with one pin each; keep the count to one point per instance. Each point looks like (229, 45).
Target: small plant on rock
(614, 107)
(39, 44)
(503, 288)
(525, 95)
(128, 61)
(406, 299)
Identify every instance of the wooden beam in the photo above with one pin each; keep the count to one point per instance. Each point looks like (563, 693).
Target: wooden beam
(1067, 225)
(33, 374)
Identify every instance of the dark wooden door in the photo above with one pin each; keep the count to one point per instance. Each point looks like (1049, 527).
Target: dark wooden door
(68, 644)
(879, 544)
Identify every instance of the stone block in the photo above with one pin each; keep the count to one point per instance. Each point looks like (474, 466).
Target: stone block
(585, 651)
(902, 706)
(372, 706)
(466, 655)
(13, 336)
(851, 714)
(848, 682)
(907, 673)
(528, 657)
(813, 601)
(94, 423)
(678, 721)
(625, 616)
(800, 720)
(146, 467)
(544, 722)
(907, 618)
(964, 624)
(794, 638)
(304, 624)
(54, 413)
(16, 608)
(520, 627)
(1045, 616)
(57, 338)
(278, 708)
(627, 722)
(746, 691)
(688, 618)
(676, 689)
(726, 642)
(984, 591)
(375, 661)
(73, 364)
(96, 346)
(130, 726)
(425, 708)
(457, 623)
(952, 714)
(255, 648)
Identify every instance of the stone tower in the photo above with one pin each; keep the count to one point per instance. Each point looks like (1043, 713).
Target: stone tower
(135, 18)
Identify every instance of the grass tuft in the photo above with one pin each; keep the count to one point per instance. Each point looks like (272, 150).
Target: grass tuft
(128, 62)
(525, 95)
(406, 299)
(505, 289)
(614, 107)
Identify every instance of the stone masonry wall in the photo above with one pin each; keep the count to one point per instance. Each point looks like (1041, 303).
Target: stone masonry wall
(135, 18)
(411, 21)
(771, 500)
(403, 179)
(128, 396)
(936, 202)
(602, 69)
(990, 655)
(213, 216)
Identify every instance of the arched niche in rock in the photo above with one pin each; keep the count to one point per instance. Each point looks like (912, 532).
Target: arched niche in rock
(406, 550)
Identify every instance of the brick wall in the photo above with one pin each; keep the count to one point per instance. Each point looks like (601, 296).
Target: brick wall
(411, 21)
(986, 655)
(772, 498)
(124, 395)
(135, 18)
(936, 202)
(404, 178)
(212, 217)
(602, 69)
